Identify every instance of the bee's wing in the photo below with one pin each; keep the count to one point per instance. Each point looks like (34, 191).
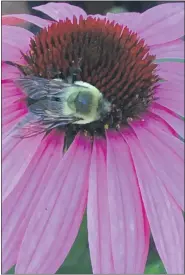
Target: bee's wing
(37, 87)
(32, 125)
(50, 110)
(44, 116)
(46, 113)
(29, 126)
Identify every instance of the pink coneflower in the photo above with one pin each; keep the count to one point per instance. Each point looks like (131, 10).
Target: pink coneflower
(125, 168)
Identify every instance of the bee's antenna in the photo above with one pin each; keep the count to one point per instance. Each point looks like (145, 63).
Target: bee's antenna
(75, 70)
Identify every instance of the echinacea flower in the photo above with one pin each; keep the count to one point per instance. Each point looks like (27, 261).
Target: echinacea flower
(126, 169)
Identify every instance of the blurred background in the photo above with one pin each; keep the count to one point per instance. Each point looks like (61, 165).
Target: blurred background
(90, 7)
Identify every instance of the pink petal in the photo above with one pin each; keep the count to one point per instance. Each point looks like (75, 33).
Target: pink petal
(61, 11)
(17, 153)
(162, 23)
(12, 108)
(98, 216)
(129, 226)
(16, 37)
(57, 217)
(12, 104)
(129, 233)
(165, 217)
(165, 157)
(170, 90)
(172, 72)
(171, 96)
(11, 21)
(160, 129)
(10, 53)
(154, 25)
(174, 49)
(26, 196)
(8, 103)
(173, 105)
(28, 18)
(9, 72)
(9, 90)
(171, 118)
(11, 120)
(12, 117)
(9, 123)
(126, 19)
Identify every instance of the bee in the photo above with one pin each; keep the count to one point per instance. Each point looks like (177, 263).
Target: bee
(56, 103)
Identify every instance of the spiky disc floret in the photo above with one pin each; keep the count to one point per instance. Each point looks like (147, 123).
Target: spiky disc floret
(112, 58)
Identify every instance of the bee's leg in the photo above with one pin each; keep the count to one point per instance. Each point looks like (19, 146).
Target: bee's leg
(120, 115)
(69, 137)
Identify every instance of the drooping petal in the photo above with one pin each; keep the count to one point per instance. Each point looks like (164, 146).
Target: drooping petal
(16, 37)
(11, 21)
(21, 203)
(10, 53)
(17, 153)
(57, 217)
(165, 217)
(171, 96)
(162, 23)
(166, 157)
(13, 109)
(172, 72)
(10, 120)
(153, 25)
(98, 217)
(128, 224)
(9, 90)
(174, 49)
(9, 72)
(61, 11)
(171, 118)
(170, 90)
(161, 130)
(26, 18)
(173, 105)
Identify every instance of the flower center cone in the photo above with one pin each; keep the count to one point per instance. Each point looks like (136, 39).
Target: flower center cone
(109, 56)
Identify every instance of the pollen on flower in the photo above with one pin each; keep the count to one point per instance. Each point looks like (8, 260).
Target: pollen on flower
(112, 58)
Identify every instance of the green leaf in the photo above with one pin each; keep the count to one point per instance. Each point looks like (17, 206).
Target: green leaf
(155, 268)
(11, 270)
(154, 264)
